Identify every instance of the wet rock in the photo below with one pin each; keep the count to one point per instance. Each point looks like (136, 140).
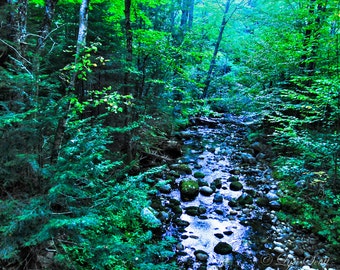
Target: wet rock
(206, 191)
(279, 250)
(235, 171)
(219, 235)
(219, 211)
(189, 189)
(236, 186)
(191, 210)
(271, 196)
(179, 246)
(217, 182)
(262, 201)
(181, 223)
(199, 175)
(164, 188)
(202, 209)
(233, 178)
(201, 255)
(223, 248)
(244, 199)
(218, 198)
(232, 203)
(251, 192)
(181, 168)
(275, 205)
(202, 182)
(228, 233)
(248, 158)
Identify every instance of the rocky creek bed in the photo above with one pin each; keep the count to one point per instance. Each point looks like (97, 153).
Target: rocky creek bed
(220, 201)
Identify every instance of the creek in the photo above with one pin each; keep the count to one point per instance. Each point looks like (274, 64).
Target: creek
(229, 222)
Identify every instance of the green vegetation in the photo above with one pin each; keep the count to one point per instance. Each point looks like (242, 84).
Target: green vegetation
(91, 92)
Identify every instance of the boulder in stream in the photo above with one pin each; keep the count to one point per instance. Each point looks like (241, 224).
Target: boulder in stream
(206, 191)
(189, 189)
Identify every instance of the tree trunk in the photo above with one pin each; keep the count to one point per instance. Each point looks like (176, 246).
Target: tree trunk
(127, 85)
(128, 39)
(81, 42)
(311, 39)
(217, 46)
(21, 26)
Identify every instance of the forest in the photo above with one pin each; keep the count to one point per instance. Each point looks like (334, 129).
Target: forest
(97, 98)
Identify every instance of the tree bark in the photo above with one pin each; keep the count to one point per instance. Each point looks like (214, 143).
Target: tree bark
(217, 46)
(81, 42)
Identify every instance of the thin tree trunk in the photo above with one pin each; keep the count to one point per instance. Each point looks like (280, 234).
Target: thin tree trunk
(129, 52)
(127, 84)
(217, 46)
(81, 42)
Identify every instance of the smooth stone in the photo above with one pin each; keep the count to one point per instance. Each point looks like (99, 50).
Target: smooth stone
(218, 198)
(191, 210)
(201, 255)
(228, 233)
(235, 171)
(165, 188)
(219, 212)
(199, 175)
(219, 235)
(206, 191)
(223, 248)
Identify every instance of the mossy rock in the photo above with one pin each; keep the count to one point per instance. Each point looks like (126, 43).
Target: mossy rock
(181, 168)
(189, 189)
(199, 175)
(236, 186)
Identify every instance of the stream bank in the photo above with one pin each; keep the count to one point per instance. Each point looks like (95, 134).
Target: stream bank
(220, 201)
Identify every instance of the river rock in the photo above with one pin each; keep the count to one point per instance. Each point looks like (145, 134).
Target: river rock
(275, 205)
(181, 168)
(218, 198)
(189, 189)
(199, 175)
(202, 182)
(233, 178)
(271, 196)
(217, 182)
(235, 171)
(244, 199)
(191, 210)
(248, 158)
(164, 188)
(219, 235)
(201, 255)
(223, 248)
(236, 186)
(206, 191)
(262, 201)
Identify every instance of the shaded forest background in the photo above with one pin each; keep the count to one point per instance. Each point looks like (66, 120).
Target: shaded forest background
(93, 93)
